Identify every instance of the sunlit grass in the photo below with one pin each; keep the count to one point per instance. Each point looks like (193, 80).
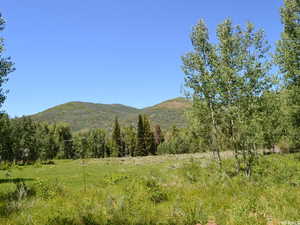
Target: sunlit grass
(187, 189)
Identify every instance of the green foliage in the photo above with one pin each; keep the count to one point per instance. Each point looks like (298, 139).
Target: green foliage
(6, 65)
(145, 138)
(274, 119)
(47, 190)
(24, 140)
(158, 135)
(81, 145)
(118, 148)
(227, 81)
(180, 141)
(288, 47)
(288, 58)
(48, 141)
(175, 145)
(236, 106)
(97, 143)
(157, 192)
(114, 178)
(5, 138)
(140, 145)
(64, 135)
(150, 146)
(274, 170)
(129, 137)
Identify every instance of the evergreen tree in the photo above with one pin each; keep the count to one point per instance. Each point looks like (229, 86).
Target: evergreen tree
(140, 138)
(118, 149)
(150, 147)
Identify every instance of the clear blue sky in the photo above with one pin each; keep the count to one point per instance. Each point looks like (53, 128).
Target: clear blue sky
(110, 51)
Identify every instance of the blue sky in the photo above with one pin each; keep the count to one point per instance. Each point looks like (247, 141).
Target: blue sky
(110, 51)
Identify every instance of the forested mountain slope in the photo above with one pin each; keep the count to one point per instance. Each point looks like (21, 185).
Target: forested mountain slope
(83, 115)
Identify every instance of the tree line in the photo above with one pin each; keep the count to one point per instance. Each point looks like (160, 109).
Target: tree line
(25, 141)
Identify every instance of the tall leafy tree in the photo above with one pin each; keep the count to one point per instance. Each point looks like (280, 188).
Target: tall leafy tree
(274, 116)
(25, 140)
(227, 80)
(288, 48)
(6, 152)
(64, 136)
(97, 143)
(48, 146)
(84, 146)
(288, 59)
(129, 137)
(6, 65)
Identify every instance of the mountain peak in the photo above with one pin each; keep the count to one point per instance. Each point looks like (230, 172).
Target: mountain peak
(175, 103)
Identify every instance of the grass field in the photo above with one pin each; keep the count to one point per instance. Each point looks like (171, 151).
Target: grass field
(178, 189)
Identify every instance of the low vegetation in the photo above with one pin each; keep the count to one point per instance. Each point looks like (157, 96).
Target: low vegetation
(175, 189)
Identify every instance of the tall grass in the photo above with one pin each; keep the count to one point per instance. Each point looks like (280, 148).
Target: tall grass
(155, 192)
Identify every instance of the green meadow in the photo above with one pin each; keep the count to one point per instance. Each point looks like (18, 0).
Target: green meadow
(171, 189)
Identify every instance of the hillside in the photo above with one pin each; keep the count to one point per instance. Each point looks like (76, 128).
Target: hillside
(83, 115)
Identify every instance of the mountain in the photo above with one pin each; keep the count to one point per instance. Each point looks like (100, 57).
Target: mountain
(83, 116)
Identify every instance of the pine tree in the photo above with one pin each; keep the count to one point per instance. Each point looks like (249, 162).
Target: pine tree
(150, 147)
(118, 149)
(140, 145)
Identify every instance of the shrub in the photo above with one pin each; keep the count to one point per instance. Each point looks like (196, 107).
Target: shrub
(47, 190)
(156, 191)
(5, 165)
(115, 178)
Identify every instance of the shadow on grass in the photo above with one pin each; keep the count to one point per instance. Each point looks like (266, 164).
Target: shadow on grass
(15, 180)
(13, 201)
